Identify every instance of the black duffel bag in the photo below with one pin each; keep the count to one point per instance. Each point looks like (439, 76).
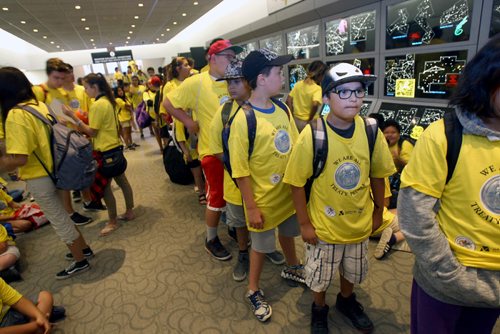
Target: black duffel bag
(175, 166)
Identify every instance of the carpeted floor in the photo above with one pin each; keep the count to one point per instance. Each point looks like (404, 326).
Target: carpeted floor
(153, 275)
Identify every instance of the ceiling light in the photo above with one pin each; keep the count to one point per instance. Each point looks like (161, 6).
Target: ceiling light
(57, 46)
(195, 3)
(183, 14)
(140, 5)
(162, 35)
(91, 39)
(130, 32)
(77, 7)
(132, 25)
(51, 42)
(174, 23)
(35, 30)
(168, 29)
(44, 37)
(157, 39)
(128, 37)
(83, 19)
(87, 28)
(5, 9)
(23, 22)
(110, 43)
(136, 17)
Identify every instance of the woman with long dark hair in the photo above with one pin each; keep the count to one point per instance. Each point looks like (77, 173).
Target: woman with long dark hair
(27, 145)
(103, 128)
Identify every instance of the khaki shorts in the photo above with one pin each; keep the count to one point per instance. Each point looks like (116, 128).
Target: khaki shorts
(323, 260)
(12, 250)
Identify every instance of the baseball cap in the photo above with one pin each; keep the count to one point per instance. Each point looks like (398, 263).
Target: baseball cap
(233, 71)
(154, 81)
(257, 60)
(343, 73)
(223, 45)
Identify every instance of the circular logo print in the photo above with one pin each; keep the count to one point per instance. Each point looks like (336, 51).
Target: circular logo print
(490, 195)
(223, 100)
(465, 242)
(329, 211)
(275, 178)
(347, 175)
(75, 104)
(282, 141)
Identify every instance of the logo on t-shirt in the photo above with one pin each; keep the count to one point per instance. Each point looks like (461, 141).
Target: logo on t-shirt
(75, 104)
(490, 194)
(347, 175)
(465, 242)
(329, 211)
(275, 179)
(282, 141)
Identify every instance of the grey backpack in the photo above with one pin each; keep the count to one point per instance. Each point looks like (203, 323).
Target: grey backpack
(74, 165)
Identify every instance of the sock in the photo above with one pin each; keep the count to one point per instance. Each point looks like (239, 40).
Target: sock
(211, 233)
(392, 240)
(244, 251)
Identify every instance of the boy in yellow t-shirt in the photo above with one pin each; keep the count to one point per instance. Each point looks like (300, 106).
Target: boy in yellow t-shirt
(266, 199)
(340, 215)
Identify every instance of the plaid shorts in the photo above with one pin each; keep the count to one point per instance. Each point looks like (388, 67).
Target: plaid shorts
(323, 260)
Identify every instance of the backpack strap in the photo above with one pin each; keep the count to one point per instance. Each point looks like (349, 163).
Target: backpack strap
(226, 111)
(281, 105)
(371, 128)
(453, 131)
(251, 125)
(320, 146)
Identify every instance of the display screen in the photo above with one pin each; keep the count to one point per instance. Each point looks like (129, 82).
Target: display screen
(296, 73)
(367, 66)
(495, 18)
(429, 75)
(425, 22)
(247, 48)
(303, 43)
(352, 34)
(412, 118)
(274, 43)
(365, 108)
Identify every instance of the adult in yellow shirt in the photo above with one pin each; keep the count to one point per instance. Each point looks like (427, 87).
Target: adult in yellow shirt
(103, 129)
(305, 97)
(79, 101)
(456, 286)
(28, 140)
(203, 95)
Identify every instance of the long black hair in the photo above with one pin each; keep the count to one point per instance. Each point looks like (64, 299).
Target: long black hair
(316, 71)
(479, 81)
(176, 62)
(103, 86)
(14, 89)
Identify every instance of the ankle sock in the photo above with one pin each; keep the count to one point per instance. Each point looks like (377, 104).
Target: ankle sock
(211, 233)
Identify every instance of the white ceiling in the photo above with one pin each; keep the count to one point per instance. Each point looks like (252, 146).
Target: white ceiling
(108, 23)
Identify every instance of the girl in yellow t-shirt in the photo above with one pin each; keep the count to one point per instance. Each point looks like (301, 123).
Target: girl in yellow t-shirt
(103, 129)
(124, 108)
(305, 97)
(28, 140)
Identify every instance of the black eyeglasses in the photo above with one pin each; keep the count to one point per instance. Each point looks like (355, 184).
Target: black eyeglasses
(227, 55)
(345, 94)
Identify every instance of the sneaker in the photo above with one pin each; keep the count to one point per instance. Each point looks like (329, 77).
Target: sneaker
(78, 219)
(231, 231)
(135, 145)
(77, 196)
(276, 257)
(319, 319)
(94, 206)
(217, 250)
(355, 312)
(240, 270)
(294, 273)
(383, 246)
(10, 275)
(58, 313)
(74, 269)
(87, 252)
(261, 309)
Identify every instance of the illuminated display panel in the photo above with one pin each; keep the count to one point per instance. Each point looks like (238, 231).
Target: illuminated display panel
(428, 22)
(303, 43)
(352, 34)
(495, 18)
(296, 73)
(247, 48)
(273, 43)
(435, 74)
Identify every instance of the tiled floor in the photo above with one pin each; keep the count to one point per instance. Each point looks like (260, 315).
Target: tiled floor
(153, 275)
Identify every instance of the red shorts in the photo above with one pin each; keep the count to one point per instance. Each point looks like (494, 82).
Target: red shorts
(214, 182)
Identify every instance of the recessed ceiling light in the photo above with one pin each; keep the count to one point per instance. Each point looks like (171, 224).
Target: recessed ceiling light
(110, 43)
(174, 23)
(5, 9)
(57, 46)
(140, 5)
(44, 37)
(91, 39)
(195, 3)
(83, 19)
(51, 42)
(23, 22)
(87, 28)
(136, 17)
(130, 32)
(132, 25)
(128, 37)
(35, 30)
(162, 35)
(77, 7)
(183, 14)
(157, 39)
(168, 29)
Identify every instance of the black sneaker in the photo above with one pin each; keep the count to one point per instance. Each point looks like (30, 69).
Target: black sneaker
(74, 269)
(77, 196)
(319, 319)
(355, 312)
(217, 250)
(94, 206)
(58, 313)
(87, 252)
(240, 270)
(78, 219)
(10, 275)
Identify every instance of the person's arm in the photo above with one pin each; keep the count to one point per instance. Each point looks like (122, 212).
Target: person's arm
(314, 110)
(306, 227)
(185, 151)
(254, 215)
(29, 309)
(182, 116)
(29, 328)
(14, 205)
(80, 126)
(289, 103)
(378, 189)
(9, 162)
(3, 247)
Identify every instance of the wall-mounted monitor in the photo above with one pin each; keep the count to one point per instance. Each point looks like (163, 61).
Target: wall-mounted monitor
(428, 75)
(247, 48)
(427, 22)
(367, 66)
(273, 43)
(296, 73)
(303, 43)
(352, 34)
(495, 18)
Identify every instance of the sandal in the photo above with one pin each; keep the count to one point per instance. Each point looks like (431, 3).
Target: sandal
(125, 218)
(108, 229)
(202, 199)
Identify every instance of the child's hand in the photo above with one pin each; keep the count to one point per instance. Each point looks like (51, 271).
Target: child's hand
(309, 234)
(255, 218)
(43, 323)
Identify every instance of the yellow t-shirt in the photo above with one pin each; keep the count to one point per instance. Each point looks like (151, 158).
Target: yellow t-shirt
(27, 135)
(8, 297)
(205, 68)
(150, 95)
(47, 95)
(340, 206)
(5, 209)
(304, 94)
(118, 76)
(167, 88)
(469, 215)
(136, 94)
(180, 136)
(124, 114)
(276, 135)
(203, 95)
(4, 236)
(404, 153)
(2, 133)
(103, 118)
(231, 192)
(78, 99)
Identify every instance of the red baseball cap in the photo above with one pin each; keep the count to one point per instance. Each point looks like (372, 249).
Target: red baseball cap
(223, 45)
(155, 81)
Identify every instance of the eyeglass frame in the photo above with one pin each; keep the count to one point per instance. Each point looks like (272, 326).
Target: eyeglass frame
(355, 91)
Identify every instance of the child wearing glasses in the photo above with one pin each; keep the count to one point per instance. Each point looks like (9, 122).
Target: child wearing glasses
(340, 215)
